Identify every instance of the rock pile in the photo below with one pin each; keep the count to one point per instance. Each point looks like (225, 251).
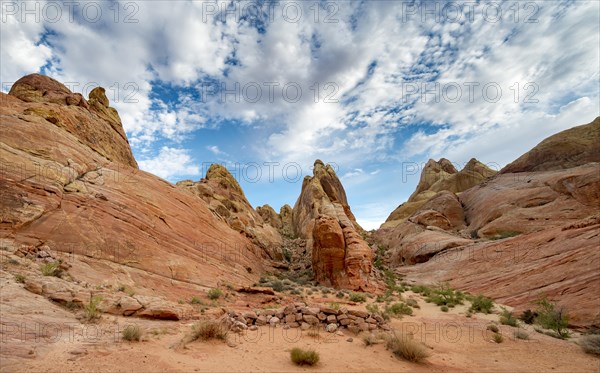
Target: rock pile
(303, 316)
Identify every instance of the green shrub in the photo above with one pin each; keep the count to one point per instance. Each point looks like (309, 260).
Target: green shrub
(304, 357)
(196, 300)
(358, 297)
(591, 344)
(493, 328)
(287, 255)
(132, 333)
(445, 296)
(498, 338)
(207, 330)
(370, 339)
(277, 285)
(444, 308)
(91, 311)
(413, 303)
(406, 348)
(481, 304)
(421, 289)
(504, 234)
(552, 318)
(340, 294)
(52, 269)
(528, 317)
(214, 293)
(398, 309)
(334, 305)
(20, 278)
(521, 334)
(507, 318)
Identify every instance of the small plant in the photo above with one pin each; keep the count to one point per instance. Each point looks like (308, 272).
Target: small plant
(325, 291)
(340, 294)
(296, 292)
(372, 308)
(358, 297)
(207, 330)
(528, 316)
(52, 269)
(413, 303)
(370, 339)
(493, 328)
(91, 311)
(507, 318)
(214, 294)
(444, 308)
(481, 304)
(20, 278)
(421, 289)
(287, 255)
(406, 348)
(13, 261)
(196, 300)
(132, 333)
(121, 288)
(551, 318)
(591, 344)
(277, 285)
(498, 338)
(314, 331)
(398, 309)
(334, 305)
(304, 357)
(505, 234)
(180, 301)
(521, 334)
(445, 296)
(309, 292)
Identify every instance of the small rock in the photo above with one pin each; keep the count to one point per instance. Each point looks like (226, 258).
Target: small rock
(331, 328)
(253, 327)
(349, 339)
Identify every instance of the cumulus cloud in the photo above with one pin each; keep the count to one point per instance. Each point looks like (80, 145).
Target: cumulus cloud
(170, 162)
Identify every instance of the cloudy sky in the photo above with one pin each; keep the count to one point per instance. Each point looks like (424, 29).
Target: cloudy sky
(266, 87)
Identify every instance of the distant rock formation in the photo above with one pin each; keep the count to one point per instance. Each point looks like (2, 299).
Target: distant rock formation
(69, 182)
(340, 257)
(437, 177)
(226, 199)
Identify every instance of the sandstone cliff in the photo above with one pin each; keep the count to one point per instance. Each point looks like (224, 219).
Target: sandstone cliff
(226, 199)
(69, 182)
(340, 257)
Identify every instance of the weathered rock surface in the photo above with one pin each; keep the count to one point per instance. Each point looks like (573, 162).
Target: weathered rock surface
(227, 201)
(69, 182)
(340, 257)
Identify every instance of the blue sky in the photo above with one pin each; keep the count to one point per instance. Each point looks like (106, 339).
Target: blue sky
(266, 87)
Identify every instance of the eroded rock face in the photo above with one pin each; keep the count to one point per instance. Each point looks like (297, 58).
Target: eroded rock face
(340, 257)
(68, 181)
(226, 199)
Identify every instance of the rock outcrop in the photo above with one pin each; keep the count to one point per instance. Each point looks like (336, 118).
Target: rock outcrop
(226, 199)
(517, 236)
(437, 177)
(322, 216)
(69, 181)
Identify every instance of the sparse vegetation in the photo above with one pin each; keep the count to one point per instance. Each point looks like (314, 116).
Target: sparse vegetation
(358, 297)
(444, 308)
(398, 309)
(52, 269)
(498, 338)
(421, 289)
(91, 311)
(287, 255)
(207, 330)
(277, 285)
(340, 294)
(334, 305)
(492, 328)
(214, 294)
(507, 318)
(132, 333)
(304, 357)
(521, 334)
(20, 278)
(552, 318)
(370, 339)
(481, 304)
(404, 347)
(528, 317)
(591, 344)
(413, 303)
(314, 330)
(504, 234)
(196, 300)
(445, 296)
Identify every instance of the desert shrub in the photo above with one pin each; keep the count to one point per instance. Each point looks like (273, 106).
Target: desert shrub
(180, 301)
(421, 289)
(314, 330)
(591, 344)
(207, 330)
(498, 338)
(552, 318)
(398, 309)
(20, 278)
(304, 357)
(196, 300)
(90, 310)
(214, 293)
(406, 348)
(132, 333)
(287, 255)
(370, 339)
(444, 308)
(340, 294)
(372, 308)
(358, 297)
(492, 328)
(277, 285)
(52, 269)
(296, 292)
(413, 303)
(263, 280)
(528, 316)
(507, 318)
(445, 296)
(325, 291)
(334, 305)
(504, 234)
(521, 334)
(481, 304)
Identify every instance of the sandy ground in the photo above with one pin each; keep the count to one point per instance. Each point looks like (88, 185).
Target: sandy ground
(456, 344)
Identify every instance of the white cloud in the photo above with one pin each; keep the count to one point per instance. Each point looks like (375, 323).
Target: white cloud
(169, 163)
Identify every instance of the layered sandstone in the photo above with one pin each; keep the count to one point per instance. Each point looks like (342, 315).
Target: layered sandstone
(340, 257)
